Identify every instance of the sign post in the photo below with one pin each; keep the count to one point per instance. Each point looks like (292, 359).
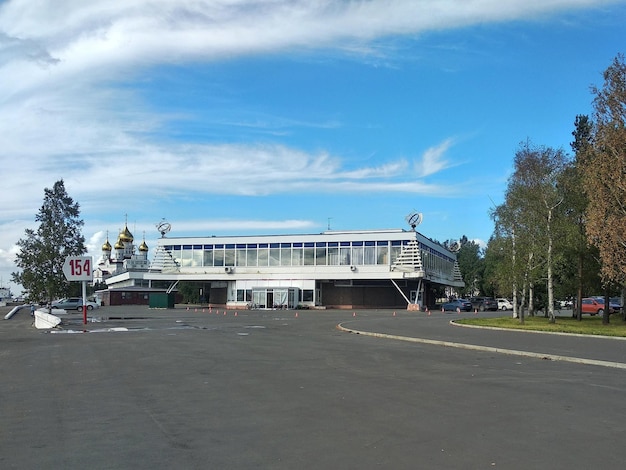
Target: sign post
(79, 268)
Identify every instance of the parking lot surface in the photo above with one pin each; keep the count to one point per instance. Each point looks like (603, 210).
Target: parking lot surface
(206, 388)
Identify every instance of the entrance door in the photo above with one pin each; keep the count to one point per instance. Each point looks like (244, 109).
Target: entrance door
(259, 298)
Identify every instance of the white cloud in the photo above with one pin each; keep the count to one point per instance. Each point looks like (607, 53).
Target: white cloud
(433, 160)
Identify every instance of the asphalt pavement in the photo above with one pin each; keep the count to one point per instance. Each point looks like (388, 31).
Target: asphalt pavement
(206, 388)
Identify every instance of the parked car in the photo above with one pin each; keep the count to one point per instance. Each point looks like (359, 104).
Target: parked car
(564, 304)
(504, 304)
(73, 303)
(484, 303)
(614, 303)
(593, 306)
(461, 304)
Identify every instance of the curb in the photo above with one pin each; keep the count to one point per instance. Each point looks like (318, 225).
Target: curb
(474, 347)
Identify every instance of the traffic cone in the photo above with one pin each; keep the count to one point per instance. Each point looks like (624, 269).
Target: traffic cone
(394, 313)
(458, 310)
(235, 313)
(296, 314)
(354, 314)
(428, 311)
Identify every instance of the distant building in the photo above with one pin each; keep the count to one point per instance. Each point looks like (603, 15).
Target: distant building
(123, 258)
(5, 294)
(333, 269)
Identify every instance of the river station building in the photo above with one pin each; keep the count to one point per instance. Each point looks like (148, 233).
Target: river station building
(333, 269)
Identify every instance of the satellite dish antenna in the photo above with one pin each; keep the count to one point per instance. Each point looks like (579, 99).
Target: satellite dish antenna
(163, 227)
(414, 219)
(455, 246)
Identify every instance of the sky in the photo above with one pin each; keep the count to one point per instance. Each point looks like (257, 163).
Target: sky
(252, 117)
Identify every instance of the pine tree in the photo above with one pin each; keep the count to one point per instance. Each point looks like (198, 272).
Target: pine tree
(43, 251)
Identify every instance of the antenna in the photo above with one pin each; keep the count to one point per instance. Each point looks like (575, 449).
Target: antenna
(329, 219)
(163, 227)
(414, 219)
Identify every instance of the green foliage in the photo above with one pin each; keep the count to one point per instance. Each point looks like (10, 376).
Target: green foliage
(472, 266)
(43, 251)
(190, 292)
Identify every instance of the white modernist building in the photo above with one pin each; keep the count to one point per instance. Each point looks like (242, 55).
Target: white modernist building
(334, 269)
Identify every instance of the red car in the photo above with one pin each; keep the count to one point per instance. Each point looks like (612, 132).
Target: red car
(594, 306)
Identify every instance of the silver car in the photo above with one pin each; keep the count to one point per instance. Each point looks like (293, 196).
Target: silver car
(73, 303)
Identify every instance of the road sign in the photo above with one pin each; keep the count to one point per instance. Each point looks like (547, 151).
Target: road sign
(78, 268)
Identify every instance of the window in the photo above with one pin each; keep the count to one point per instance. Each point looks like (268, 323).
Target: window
(241, 255)
(264, 254)
(309, 254)
(229, 255)
(369, 253)
(357, 253)
(396, 248)
(208, 255)
(251, 256)
(333, 254)
(344, 253)
(218, 258)
(274, 254)
(320, 254)
(296, 255)
(285, 254)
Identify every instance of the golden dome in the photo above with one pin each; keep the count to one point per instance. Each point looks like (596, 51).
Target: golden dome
(106, 246)
(120, 244)
(143, 246)
(126, 236)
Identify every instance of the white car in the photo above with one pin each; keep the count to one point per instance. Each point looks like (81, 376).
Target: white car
(504, 304)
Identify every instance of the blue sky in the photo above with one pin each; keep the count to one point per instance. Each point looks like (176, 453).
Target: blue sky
(240, 117)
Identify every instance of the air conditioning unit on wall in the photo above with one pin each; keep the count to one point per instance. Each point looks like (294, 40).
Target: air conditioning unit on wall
(228, 269)
(352, 268)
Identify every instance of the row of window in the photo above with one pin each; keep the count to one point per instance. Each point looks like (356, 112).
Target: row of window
(293, 254)
(286, 254)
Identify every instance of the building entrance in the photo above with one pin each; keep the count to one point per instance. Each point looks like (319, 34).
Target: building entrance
(275, 298)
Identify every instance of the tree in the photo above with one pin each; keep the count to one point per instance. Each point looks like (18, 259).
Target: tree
(604, 169)
(527, 222)
(190, 292)
(576, 202)
(471, 265)
(43, 251)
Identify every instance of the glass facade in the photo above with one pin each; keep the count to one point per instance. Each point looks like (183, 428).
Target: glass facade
(355, 253)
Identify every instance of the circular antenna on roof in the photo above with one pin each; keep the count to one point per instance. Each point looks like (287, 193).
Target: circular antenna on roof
(414, 219)
(455, 246)
(163, 227)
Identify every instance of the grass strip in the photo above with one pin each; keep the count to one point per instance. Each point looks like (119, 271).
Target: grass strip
(587, 326)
